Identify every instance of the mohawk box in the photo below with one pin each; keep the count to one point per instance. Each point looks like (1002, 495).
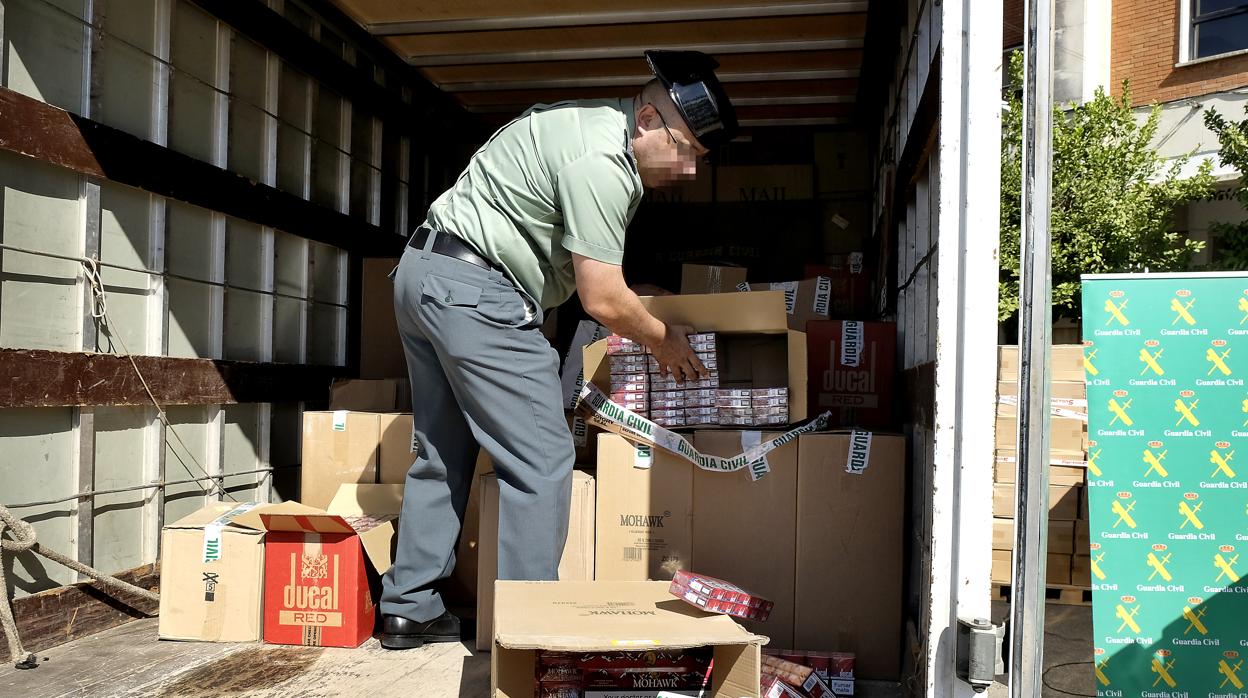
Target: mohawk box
(756, 348)
(710, 278)
(1057, 570)
(212, 577)
(609, 616)
(851, 371)
(1063, 501)
(320, 566)
(644, 525)
(381, 350)
(1061, 536)
(1068, 437)
(352, 448)
(577, 563)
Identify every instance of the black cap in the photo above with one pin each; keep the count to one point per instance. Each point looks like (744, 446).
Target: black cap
(689, 77)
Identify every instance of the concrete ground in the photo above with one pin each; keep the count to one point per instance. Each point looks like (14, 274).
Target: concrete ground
(1067, 652)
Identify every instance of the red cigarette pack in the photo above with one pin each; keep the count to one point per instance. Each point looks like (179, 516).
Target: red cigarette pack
(719, 596)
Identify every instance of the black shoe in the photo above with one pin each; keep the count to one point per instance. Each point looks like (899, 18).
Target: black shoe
(399, 633)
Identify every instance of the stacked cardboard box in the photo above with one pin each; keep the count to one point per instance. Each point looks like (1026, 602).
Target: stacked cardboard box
(659, 514)
(1068, 418)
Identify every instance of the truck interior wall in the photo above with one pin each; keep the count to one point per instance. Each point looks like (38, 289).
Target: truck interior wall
(197, 282)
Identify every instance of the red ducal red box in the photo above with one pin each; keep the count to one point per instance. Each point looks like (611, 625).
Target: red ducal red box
(836, 669)
(773, 686)
(717, 596)
(318, 565)
(850, 371)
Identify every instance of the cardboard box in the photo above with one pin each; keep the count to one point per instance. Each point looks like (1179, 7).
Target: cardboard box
(381, 350)
(1082, 539)
(851, 367)
(851, 286)
(1068, 438)
(1006, 470)
(842, 161)
(1081, 571)
(765, 183)
(1065, 363)
(645, 514)
(1061, 536)
(757, 348)
(752, 532)
(710, 278)
(577, 563)
(1057, 570)
(1063, 501)
(352, 448)
(746, 531)
(320, 565)
(378, 395)
(601, 616)
(807, 300)
(1058, 390)
(855, 519)
(212, 576)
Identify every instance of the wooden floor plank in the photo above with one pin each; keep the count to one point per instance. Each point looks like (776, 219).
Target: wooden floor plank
(130, 661)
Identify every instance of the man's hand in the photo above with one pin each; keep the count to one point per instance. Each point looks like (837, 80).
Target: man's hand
(676, 357)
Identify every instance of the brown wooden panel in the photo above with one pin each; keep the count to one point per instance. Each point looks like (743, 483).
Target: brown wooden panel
(730, 63)
(642, 35)
(40, 378)
(35, 129)
(373, 11)
(795, 111)
(56, 616)
(736, 90)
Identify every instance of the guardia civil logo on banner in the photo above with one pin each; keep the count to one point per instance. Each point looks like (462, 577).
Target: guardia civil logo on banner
(1166, 357)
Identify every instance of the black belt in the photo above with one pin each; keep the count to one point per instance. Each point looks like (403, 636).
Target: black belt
(449, 246)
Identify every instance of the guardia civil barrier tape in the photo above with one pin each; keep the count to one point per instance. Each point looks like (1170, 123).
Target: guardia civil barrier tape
(1166, 358)
(598, 409)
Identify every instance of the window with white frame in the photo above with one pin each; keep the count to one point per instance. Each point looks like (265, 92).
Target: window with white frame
(1214, 27)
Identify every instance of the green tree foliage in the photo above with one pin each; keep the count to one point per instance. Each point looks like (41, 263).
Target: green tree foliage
(1233, 152)
(1113, 199)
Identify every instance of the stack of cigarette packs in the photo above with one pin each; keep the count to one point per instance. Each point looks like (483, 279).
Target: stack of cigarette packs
(835, 669)
(637, 384)
(752, 407)
(717, 596)
(648, 674)
(800, 677)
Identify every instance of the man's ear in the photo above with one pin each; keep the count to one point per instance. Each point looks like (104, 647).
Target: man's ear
(647, 117)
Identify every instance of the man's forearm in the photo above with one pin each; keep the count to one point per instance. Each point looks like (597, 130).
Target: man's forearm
(627, 317)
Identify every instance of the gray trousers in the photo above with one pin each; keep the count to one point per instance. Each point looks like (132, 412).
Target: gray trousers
(481, 374)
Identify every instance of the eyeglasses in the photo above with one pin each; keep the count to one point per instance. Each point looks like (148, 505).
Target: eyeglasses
(680, 145)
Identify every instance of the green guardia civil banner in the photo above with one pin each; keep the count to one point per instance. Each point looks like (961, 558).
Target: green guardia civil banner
(1166, 357)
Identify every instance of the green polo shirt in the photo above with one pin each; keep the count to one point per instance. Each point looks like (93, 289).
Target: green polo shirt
(559, 179)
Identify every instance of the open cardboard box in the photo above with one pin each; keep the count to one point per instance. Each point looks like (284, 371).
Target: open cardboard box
(757, 348)
(321, 565)
(612, 617)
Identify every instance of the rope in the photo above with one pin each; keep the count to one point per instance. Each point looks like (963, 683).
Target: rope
(23, 540)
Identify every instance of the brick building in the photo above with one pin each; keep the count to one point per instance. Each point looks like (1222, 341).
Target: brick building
(1187, 55)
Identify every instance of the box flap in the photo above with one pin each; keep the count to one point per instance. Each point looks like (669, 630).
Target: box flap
(293, 516)
(210, 514)
(596, 616)
(761, 311)
(373, 512)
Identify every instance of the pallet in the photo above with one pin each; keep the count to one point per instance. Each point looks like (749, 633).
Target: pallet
(1062, 594)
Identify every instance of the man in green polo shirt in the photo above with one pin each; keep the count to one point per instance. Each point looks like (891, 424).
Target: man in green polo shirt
(540, 212)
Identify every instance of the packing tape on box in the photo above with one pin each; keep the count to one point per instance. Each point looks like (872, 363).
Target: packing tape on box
(643, 456)
(859, 452)
(212, 530)
(340, 420)
(1058, 406)
(598, 409)
(823, 296)
(760, 467)
(852, 334)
